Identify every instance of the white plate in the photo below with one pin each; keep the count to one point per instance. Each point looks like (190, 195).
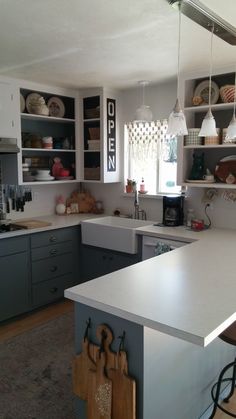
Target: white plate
(200, 181)
(56, 107)
(22, 103)
(228, 158)
(202, 90)
(30, 97)
(44, 178)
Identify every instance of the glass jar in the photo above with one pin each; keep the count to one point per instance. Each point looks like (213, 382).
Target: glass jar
(190, 217)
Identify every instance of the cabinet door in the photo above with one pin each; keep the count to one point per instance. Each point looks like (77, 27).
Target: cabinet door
(14, 285)
(8, 111)
(98, 261)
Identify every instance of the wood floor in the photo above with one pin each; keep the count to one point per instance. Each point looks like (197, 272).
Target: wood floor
(29, 321)
(34, 319)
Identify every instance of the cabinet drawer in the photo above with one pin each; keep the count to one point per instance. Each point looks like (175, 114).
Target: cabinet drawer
(13, 245)
(52, 250)
(54, 236)
(45, 269)
(51, 290)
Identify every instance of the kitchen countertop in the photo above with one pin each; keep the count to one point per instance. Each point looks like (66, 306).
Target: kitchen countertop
(57, 221)
(188, 293)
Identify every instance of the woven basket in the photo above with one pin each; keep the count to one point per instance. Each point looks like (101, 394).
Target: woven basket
(227, 93)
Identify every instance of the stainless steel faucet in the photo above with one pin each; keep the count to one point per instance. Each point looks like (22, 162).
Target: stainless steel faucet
(139, 214)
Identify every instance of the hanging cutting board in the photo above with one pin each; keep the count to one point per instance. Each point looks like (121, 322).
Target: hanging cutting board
(123, 390)
(81, 368)
(32, 224)
(99, 391)
(111, 358)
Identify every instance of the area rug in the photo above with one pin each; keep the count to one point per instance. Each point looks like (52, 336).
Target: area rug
(35, 372)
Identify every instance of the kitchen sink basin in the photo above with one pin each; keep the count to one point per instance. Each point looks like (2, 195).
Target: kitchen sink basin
(115, 233)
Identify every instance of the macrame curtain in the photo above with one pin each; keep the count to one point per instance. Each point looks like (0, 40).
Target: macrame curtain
(145, 138)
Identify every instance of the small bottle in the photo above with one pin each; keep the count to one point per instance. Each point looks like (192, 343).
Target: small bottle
(142, 186)
(190, 217)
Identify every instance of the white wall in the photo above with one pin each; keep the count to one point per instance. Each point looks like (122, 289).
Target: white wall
(161, 99)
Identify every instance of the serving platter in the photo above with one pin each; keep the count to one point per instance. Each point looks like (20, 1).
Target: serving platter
(56, 107)
(202, 90)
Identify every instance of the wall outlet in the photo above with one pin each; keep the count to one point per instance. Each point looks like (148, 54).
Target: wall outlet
(35, 196)
(210, 206)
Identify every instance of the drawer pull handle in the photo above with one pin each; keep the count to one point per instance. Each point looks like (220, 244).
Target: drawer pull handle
(53, 239)
(53, 252)
(53, 290)
(53, 268)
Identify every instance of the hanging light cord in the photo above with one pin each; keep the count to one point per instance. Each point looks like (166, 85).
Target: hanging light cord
(143, 83)
(210, 75)
(178, 62)
(234, 92)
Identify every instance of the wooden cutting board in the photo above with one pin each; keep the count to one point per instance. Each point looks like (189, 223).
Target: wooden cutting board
(81, 366)
(32, 223)
(123, 390)
(110, 355)
(99, 391)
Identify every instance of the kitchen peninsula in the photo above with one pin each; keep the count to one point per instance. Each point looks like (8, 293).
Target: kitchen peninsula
(172, 308)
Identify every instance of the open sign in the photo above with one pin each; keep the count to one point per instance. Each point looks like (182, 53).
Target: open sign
(111, 135)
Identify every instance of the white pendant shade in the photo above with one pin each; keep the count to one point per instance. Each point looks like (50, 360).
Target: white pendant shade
(177, 122)
(143, 114)
(208, 128)
(231, 131)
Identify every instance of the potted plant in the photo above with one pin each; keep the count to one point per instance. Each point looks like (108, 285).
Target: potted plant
(131, 186)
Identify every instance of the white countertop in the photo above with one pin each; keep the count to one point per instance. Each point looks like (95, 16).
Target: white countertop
(189, 293)
(57, 221)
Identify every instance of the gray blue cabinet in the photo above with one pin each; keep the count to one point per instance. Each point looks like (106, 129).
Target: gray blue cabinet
(37, 268)
(98, 261)
(15, 276)
(55, 263)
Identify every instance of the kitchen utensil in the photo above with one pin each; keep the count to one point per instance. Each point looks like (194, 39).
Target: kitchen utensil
(123, 390)
(99, 391)
(81, 366)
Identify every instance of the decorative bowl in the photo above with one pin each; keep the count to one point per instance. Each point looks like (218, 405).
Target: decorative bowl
(227, 93)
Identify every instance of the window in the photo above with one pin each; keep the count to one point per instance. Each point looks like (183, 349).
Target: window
(152, 155)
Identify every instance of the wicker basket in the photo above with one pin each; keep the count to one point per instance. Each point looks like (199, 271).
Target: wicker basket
(92, 173)
(227, 93)
(213, 140)
(92, 113)
(192, 138)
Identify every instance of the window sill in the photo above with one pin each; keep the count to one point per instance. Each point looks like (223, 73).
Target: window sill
(148, 196)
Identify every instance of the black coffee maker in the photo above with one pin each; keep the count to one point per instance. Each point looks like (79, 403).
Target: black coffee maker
(173, 210)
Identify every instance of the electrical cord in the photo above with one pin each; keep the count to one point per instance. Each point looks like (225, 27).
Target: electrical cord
(209, 220)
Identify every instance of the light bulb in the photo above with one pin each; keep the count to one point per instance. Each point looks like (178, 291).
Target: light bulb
(177, 122)
(231, 130)
(208, 128)
(143, 114)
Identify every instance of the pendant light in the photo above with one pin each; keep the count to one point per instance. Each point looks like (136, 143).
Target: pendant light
(208, 128)
(231, 131)
(143, 113)
(177, 122)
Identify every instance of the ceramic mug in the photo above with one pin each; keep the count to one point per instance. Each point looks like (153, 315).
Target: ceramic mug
(209, 178)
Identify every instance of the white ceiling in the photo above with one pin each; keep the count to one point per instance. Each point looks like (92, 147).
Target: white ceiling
(78, 43)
